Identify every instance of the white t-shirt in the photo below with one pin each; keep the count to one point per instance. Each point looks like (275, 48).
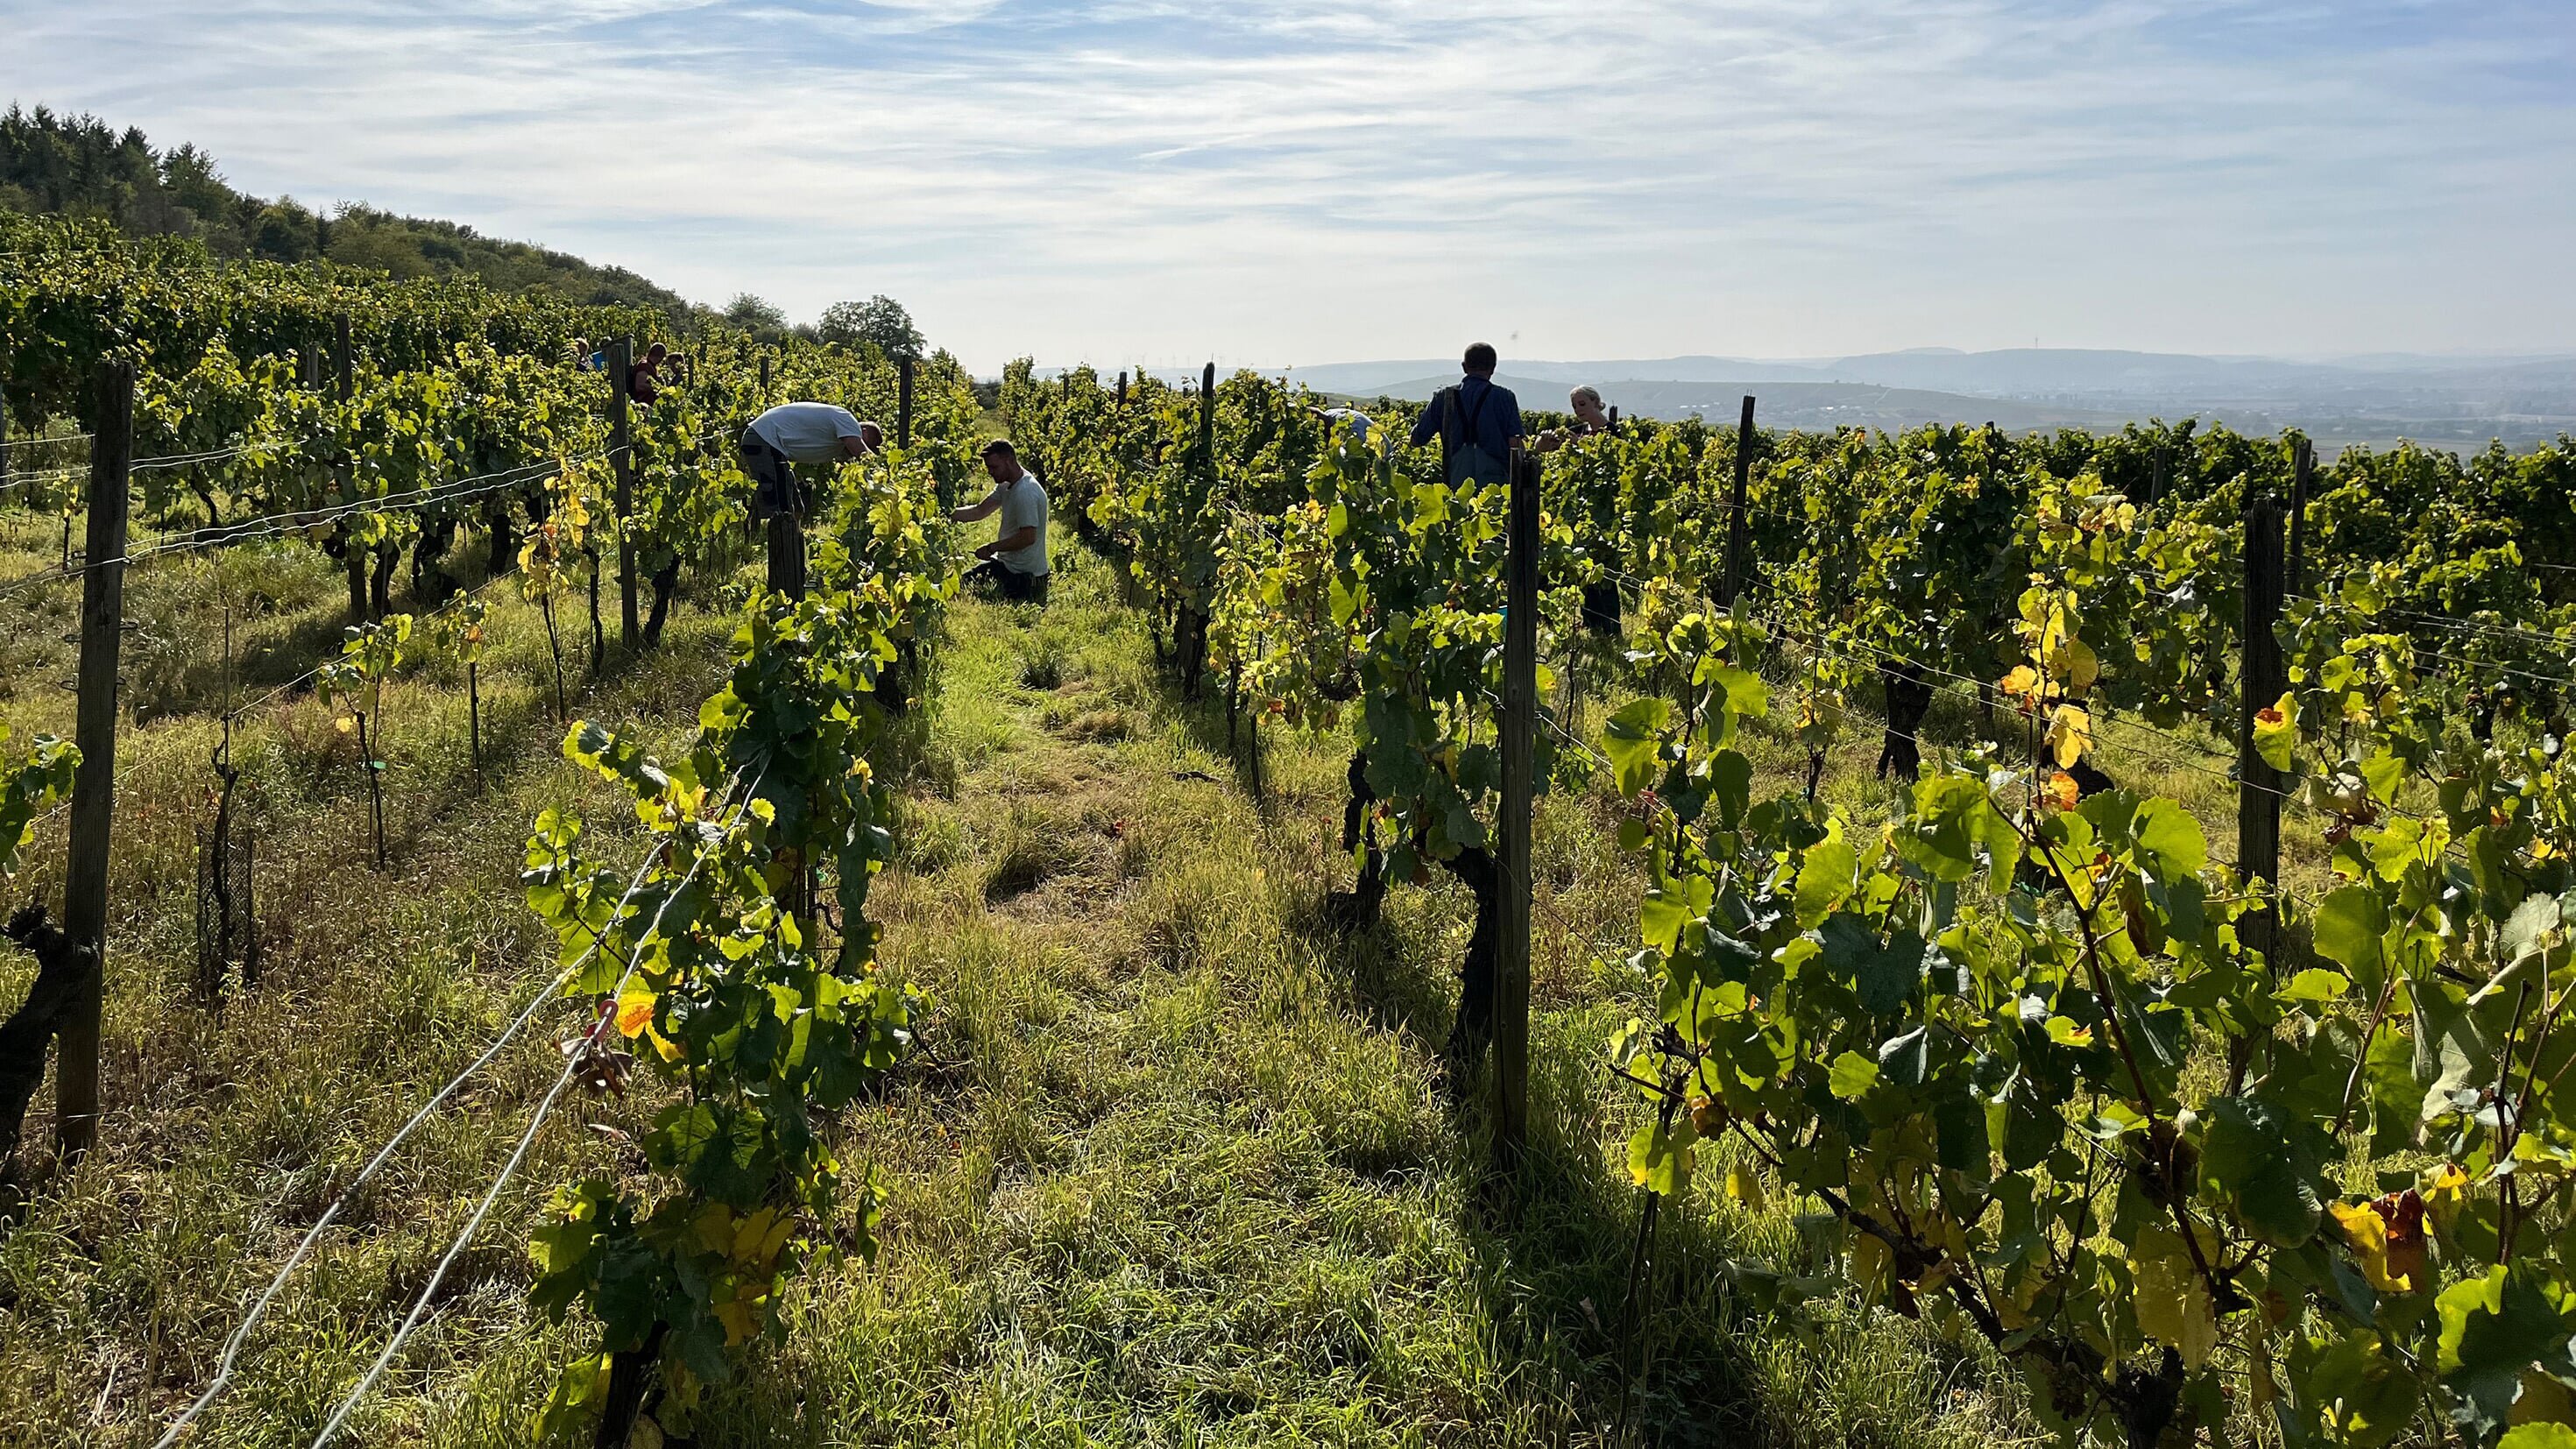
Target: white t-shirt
(1353, 425)
(808, 432)
(1024, 505)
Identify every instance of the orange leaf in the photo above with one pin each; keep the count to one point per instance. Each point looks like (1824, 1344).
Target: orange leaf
(634, 1013)
(2061, 792)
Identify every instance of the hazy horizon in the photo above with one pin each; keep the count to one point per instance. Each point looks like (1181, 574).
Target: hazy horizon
(1306, 182)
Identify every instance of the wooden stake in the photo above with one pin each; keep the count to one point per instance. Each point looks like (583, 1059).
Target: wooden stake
(2262, 677)
(76, 1105)
(2303, 463)
(1519, 739)
(903, 404)
(345, 383)
(621, 451)
(1735, 532)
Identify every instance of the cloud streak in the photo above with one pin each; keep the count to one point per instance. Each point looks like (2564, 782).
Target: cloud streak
(1301, 181)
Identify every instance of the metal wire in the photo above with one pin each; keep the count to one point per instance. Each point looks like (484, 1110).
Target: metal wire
(527, 1138)
(303, 1249)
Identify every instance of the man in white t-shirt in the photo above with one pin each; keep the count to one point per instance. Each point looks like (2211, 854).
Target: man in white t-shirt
(800, 432)
(1015, 562)
(1354, 425)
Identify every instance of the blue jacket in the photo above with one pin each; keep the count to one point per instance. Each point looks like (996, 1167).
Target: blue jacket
(1491, 413)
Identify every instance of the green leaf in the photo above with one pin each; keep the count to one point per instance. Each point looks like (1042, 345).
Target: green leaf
(1730, 786)
(2533, 928)
(1633, 740)
(2253, 1157)
(2361, 1392)
(2316, 984)
(1883, 976)
(2349, 925)
(1852, 1077)
(2170, 835)
(1659, 1157)
(2383, 772)
(2396, 1100)
(1347, 596)
(1825, 877)
(1905, 1059)
(1734, 694)
(2492, 1329)
(2455, 1046)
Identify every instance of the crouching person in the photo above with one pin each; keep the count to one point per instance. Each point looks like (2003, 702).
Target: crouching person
(1014, 564)
(777, 440)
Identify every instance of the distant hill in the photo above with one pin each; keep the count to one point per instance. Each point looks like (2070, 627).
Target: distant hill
(1810, 405)
(80, 166)
(2453, 401)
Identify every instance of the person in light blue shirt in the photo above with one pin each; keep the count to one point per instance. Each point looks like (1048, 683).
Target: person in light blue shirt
(1477, 422)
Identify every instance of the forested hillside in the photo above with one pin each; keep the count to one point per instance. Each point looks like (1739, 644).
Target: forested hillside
(81, 166)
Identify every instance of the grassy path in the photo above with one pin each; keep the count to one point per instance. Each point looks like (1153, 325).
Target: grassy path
(1178, 1168)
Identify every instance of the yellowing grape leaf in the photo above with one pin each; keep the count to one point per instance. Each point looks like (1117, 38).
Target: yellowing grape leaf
(635, 1011)
(2173, 1301)
(2367, 1234)
(2276, 732)
(2070, 735)
(2060, 792)
(1745, 1187)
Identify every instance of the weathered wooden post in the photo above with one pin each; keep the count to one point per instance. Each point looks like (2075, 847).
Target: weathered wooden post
(1735, 533)
(903, 403)
(621, 452)
(1519, 739)
(2303, 463)
(2260, 787)
(345, 386)
(76, 1105)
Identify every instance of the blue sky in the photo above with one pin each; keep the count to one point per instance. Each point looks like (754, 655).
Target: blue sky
(1307, 181)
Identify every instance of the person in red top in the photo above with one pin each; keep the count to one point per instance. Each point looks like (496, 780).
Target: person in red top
(644, 379)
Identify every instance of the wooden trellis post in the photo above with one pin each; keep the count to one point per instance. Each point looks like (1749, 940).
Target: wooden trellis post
(76, 1104)
(621, 452)
(1519, 740)
(1735, 533)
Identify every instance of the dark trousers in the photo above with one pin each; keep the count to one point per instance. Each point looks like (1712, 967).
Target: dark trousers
(996, 577)
(777, 490)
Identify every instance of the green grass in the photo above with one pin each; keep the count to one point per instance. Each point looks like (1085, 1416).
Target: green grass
(1173, 1165)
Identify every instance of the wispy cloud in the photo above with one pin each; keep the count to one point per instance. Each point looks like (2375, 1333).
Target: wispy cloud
(1304, 180)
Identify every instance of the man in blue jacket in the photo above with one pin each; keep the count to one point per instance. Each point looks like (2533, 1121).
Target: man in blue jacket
(1476, 422)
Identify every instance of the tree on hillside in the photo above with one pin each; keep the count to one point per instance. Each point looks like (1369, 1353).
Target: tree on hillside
(880, 321)
(285, 232)
(80, 166)
(756, 315)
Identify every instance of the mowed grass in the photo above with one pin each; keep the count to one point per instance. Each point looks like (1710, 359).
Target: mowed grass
(1177, 1165)
(1174, 1163)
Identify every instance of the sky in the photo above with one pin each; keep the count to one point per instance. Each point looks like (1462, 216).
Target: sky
(1305, 181)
